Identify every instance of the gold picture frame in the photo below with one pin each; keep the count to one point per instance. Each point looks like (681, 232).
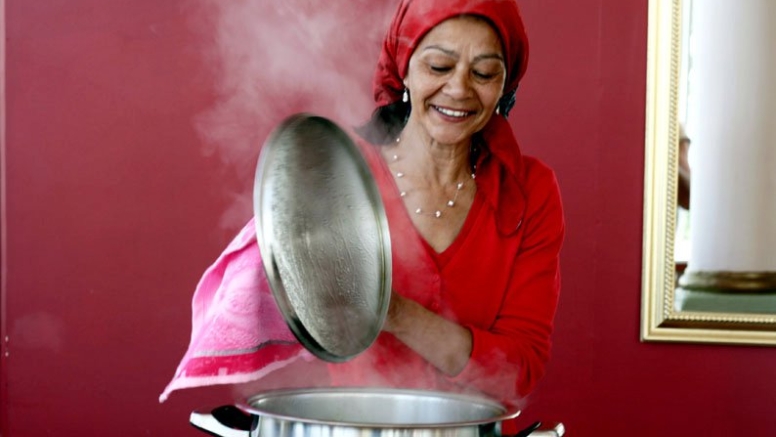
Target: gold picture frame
(661, 321)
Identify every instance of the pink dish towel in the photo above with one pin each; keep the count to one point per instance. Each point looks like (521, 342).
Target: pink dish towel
(238, 333)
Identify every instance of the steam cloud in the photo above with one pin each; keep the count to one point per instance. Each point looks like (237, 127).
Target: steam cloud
(273, 58)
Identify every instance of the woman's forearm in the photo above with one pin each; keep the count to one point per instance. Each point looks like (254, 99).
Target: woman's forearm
(444, 344)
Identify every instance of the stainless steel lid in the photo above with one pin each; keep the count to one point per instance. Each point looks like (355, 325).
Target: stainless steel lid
(323, 237)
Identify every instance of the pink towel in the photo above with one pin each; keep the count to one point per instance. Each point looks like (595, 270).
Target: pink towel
(238, 334)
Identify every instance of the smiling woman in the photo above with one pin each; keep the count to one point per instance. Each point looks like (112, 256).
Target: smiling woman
(455, 80)
(475, 227)
(456, 188)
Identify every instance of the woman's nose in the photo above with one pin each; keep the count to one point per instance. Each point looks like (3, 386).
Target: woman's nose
(459, 86)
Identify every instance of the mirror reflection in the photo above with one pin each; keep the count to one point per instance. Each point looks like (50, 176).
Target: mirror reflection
(709, 263)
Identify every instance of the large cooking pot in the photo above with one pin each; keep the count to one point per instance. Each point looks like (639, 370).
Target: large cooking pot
(362, 412)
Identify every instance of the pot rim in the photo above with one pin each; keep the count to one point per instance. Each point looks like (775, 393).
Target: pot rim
(247, 405)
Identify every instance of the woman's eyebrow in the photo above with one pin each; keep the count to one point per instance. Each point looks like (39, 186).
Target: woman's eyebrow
(448, 52)
(495, 56)
(453, 54)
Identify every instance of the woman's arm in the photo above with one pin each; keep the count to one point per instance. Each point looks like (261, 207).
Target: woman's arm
(509, 357)
(444, 344)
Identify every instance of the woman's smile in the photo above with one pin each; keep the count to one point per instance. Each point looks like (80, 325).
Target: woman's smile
(452, 113)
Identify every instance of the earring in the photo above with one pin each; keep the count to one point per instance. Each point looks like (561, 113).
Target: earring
(498, 110)
(406, 96)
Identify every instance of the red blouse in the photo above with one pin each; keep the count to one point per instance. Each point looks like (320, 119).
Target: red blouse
(500, 278)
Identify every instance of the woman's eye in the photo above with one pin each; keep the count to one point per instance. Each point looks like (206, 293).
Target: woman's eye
(440, 68)
(484, 76)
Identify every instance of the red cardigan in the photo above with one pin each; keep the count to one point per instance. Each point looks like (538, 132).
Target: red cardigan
(500, 278)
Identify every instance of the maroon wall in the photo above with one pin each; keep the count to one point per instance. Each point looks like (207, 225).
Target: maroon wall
(115, 203)
(583, 109)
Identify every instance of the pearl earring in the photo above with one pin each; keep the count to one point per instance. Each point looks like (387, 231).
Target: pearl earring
(406, 96)
(498, 110)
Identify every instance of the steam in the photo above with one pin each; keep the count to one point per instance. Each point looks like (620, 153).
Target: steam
(273, 58)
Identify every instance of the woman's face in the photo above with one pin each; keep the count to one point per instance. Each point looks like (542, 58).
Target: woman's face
(455, 78)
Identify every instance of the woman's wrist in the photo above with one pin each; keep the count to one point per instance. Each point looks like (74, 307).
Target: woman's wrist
(396, 310)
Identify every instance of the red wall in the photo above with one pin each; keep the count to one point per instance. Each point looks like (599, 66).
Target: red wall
(115, 203)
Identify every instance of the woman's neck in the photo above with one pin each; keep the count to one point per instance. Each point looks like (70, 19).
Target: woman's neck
(440, 163)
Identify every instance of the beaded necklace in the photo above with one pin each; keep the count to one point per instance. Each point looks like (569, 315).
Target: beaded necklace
(436, 213)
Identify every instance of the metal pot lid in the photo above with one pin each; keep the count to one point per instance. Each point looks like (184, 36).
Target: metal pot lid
(323, 237)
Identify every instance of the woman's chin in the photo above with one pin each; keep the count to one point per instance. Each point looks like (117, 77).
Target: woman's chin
(450, 136)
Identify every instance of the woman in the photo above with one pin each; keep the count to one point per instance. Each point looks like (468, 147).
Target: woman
(476, 227)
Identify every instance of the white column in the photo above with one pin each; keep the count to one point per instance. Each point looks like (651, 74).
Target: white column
(732, 124)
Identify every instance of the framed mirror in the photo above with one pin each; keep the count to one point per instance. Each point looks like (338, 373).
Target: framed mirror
(662, 318)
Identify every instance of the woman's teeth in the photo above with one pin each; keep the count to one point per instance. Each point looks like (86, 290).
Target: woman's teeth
(451, 113)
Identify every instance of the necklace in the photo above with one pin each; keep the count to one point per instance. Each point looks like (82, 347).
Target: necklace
(436, 213)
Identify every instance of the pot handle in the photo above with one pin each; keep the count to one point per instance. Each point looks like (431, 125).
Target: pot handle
(224, 421)
(536, 430)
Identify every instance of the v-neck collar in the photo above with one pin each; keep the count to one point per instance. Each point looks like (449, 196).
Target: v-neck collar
(445, 256)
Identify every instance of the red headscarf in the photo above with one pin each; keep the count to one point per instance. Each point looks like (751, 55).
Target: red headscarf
(415, 18)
